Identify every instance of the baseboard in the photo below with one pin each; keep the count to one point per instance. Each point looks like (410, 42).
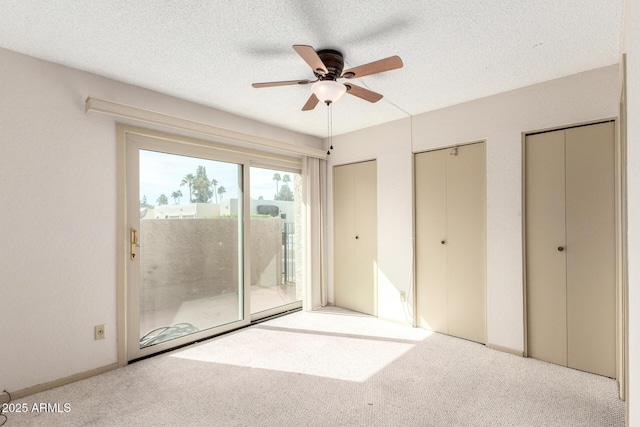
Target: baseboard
(506, 350)
(62, 381)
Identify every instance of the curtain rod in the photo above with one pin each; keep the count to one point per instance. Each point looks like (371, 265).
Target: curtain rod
(98, 105)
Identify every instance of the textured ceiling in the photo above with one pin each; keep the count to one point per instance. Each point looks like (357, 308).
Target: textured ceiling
(210, 52)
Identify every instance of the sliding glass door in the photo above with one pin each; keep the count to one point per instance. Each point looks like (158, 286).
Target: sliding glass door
(276, 247)
(186, 267)
(211, 239)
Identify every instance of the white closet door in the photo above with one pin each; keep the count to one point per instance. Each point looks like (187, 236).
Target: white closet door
(355, 237)
(344, 236)
(591, 248)
(451, 241)
(466, 243)
(431, 238)
(545, 235)
(366, 242)
(570, 247)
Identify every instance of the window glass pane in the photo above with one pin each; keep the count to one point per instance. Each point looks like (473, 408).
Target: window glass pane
(190, 245)
(276, 278)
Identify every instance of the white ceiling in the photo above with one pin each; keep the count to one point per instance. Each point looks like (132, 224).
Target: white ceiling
(210, 52)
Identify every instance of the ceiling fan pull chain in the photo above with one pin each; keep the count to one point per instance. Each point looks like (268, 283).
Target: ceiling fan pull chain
(330, 125)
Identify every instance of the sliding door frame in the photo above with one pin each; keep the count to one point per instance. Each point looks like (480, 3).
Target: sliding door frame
(189, 146)
(292, 305)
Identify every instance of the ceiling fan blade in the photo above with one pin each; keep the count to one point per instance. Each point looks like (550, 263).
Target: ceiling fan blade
(283, 83)
(387, 64)
(311, 103)
(311, 57)
(360, 92)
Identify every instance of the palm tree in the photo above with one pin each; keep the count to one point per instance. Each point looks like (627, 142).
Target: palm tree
(188, 180)
(176, 196)
(286, 180)
(221, 191)
(201, 186)
(202, 190)
(162, 200)
(276, 178)
(214, 184)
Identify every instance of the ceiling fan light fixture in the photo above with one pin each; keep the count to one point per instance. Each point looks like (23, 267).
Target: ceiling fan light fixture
(328, 90)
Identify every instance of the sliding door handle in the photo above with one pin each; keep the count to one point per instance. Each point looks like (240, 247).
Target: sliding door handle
(134, 243)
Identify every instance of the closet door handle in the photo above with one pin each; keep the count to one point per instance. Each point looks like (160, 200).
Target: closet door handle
(357, 237)
(442, 242)
(560, 248)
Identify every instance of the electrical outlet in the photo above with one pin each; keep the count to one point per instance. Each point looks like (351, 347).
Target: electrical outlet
(403, 296)
(98, 332)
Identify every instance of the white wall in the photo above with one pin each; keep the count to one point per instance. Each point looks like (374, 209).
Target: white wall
(500, 120)
(58, 252)
(631, 46)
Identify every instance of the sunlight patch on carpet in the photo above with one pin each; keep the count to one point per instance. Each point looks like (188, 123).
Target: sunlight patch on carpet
(303, 353)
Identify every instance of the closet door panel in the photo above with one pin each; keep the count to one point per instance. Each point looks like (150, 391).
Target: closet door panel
(431, 253)
(366, 241)
(591, 248)
(466, 245)
(344, 237)
(545, 234)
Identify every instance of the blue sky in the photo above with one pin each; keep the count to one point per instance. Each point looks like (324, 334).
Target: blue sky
(161, 173)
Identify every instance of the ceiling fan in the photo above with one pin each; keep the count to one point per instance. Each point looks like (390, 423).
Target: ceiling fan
(327, 65)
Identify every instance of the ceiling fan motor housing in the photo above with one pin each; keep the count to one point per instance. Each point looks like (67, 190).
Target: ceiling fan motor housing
(333, 60)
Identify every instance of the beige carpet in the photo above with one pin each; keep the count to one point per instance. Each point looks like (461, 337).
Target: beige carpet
(330, 369)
